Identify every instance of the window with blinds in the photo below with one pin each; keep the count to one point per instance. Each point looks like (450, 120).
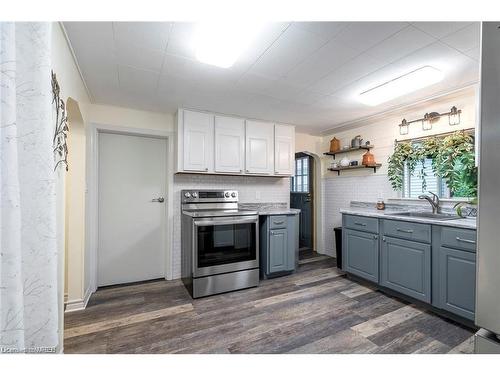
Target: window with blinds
(413, 183)
(300, 182)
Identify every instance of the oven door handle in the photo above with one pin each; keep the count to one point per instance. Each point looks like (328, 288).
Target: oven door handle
(209, 222)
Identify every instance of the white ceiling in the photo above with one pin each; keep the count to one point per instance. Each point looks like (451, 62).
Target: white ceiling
(303, 73)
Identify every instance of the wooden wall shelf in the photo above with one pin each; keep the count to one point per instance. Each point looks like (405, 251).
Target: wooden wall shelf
(339, 169)
(346, 150)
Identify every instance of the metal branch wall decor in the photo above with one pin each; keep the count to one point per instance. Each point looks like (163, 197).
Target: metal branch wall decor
(61, 130)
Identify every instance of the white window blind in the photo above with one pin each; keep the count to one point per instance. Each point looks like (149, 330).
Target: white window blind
(412, 183)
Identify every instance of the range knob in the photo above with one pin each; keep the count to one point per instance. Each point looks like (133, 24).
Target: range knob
(187, 194)
(233, 194)
(194, 194)
(227, 194)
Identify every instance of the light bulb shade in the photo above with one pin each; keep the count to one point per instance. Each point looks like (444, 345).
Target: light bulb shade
(426, 124)
(454, 116)
(221, 43)
(398, 86)
(403, 127)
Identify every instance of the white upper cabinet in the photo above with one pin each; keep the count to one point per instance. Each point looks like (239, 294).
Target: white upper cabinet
(198, 141)
(284, 149)
(259, 150)
(210, 143)
(229, 144)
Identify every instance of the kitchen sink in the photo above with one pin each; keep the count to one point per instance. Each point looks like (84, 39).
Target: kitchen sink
(426, 215)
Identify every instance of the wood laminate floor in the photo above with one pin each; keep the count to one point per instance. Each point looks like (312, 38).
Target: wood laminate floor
(315, 310)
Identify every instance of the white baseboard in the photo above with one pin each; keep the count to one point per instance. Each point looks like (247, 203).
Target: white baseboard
(78, 304)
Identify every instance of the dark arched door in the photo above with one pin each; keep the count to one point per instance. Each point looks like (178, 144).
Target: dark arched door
(302, 197)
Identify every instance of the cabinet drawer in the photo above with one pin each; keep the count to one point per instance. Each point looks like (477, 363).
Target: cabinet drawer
(459, 238)
(277, 222)
(407, 230)
(367, 224)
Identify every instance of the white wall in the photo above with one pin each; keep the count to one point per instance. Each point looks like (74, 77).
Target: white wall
(364, 185)
(126, 117)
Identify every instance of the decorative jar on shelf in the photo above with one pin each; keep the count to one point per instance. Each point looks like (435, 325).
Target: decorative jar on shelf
(344, 162)
(334, 145)
(368, 158)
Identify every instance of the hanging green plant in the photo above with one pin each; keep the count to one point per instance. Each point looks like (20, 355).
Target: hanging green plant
(452, 159)
(455, 162)
(404, 154)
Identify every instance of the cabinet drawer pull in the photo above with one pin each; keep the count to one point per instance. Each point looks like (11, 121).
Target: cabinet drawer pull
(466, 241)
(279, 222)
(404, 230)
(361, 224)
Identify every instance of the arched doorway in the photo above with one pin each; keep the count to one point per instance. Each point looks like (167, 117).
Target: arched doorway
(308, 200)
(76, 260)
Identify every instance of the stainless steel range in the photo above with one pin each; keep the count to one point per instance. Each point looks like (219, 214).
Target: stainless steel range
(220, 243)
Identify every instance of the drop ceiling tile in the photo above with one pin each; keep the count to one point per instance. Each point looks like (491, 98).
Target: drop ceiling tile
(204, 74)
(180, 40)
(318, 64)
(440, 29)
(138, 57)
(363, 35)
(264, 86)
(304, 97)
(465, 39)
(137, 80)
(325, 29)
(400, 44)
(90, 37)
(355, 69)
(456, 67)
(474, 53)
(150, 35)
(292, 47)
(267, 36)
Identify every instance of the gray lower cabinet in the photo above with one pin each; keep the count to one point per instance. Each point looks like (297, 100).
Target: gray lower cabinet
(457, 281)
(405, 266)
(431, 263)
(278, 245)
(361, 254)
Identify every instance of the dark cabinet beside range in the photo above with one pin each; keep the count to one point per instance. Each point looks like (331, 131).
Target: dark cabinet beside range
(431, 263)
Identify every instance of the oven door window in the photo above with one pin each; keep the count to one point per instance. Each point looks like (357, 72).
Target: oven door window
(223, 244)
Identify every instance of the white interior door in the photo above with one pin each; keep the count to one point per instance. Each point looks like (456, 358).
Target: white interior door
(132, 228)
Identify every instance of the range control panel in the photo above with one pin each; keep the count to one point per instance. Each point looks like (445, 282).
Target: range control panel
(206, 196)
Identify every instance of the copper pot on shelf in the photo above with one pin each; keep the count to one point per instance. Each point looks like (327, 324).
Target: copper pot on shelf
(334, 145)
(368, 158)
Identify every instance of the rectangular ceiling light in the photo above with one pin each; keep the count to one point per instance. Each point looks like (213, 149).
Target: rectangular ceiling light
(401, 85)
(221, 43)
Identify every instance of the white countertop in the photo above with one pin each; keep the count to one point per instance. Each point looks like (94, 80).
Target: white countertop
(278, 211)
(389, 214)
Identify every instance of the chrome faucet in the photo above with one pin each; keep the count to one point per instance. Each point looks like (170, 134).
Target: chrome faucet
(434, 202)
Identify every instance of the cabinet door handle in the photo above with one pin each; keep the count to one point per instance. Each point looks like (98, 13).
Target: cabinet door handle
(279, 222)
(361, 224)
(465, 240)
(404, 230)
(375, 237)
(383, 238)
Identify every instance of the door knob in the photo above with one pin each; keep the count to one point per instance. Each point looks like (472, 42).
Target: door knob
(159, 200)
